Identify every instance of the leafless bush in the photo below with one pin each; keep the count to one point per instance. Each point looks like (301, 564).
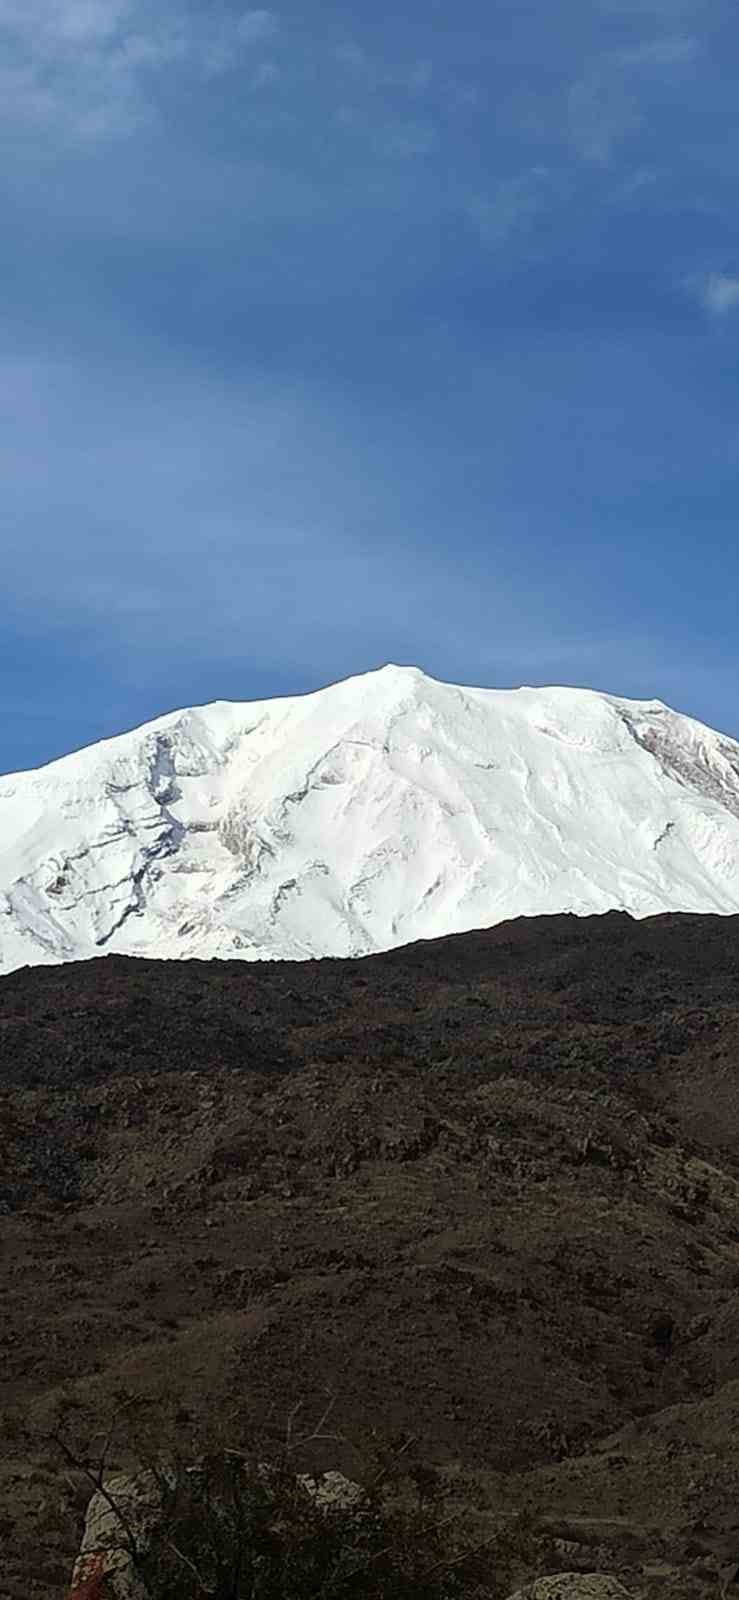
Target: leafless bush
(241, 1521)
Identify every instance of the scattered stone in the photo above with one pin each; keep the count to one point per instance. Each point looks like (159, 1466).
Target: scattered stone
(573, 1586)
(333, 1489)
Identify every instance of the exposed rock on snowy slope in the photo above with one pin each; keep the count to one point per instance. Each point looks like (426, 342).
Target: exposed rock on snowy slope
(384, 809)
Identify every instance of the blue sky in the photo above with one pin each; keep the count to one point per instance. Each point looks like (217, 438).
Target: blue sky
(339, 334)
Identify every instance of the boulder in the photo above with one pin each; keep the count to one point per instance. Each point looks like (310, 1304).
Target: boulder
(117, 1528)
(573, 1586)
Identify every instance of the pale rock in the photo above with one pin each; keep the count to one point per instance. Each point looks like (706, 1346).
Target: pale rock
(573, 1586)
(333, 1490)
(118, 1523)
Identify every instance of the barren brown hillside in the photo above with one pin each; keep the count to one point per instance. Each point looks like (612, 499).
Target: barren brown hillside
(485, 1190)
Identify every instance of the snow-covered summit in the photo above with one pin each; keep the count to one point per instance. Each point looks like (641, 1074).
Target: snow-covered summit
(386, 808)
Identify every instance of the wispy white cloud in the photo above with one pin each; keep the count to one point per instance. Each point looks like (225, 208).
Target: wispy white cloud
(667, 52)
(413, 76)
(87, 66)
(404, 140)
(386, 135)
(610, 102)
(661, 10)
(602, 111)
(265, 75)
(717, 292)
(513, 206)
(54, 21)
(637, 188)
(384, 101)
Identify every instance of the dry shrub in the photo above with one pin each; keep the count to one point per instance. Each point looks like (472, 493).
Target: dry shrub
(245, 1523)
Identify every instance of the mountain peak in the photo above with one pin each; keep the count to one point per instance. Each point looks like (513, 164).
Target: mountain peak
(385, 808)
(403, 668)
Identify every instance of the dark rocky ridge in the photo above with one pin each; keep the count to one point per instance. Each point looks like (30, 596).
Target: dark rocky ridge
(486, 1187)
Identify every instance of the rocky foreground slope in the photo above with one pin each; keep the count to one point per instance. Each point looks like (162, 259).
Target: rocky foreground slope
(484, 1189)
(378, 811)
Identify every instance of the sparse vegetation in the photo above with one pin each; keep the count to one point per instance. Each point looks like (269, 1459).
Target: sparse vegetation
(230, 1531)
(231, 1525)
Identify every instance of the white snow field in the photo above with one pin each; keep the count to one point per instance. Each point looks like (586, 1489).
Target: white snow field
(386, 808)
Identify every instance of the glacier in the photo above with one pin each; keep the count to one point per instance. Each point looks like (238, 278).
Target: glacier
(386, 808)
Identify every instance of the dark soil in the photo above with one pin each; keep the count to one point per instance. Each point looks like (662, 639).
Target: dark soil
(485, 1190)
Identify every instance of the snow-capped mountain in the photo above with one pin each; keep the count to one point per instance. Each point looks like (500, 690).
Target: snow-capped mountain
(386, 808)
